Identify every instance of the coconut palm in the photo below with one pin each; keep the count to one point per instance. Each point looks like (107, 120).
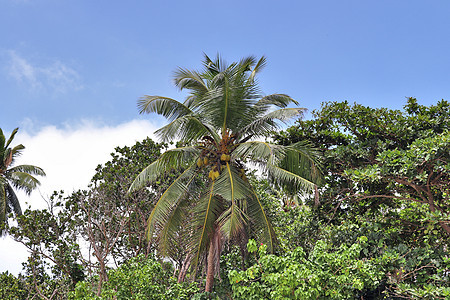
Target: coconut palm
(220, 122)
(13, 177)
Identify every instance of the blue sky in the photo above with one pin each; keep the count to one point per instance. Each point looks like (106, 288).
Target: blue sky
(71, 71)
(63, 61)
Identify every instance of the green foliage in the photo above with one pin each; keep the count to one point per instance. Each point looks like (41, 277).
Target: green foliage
(51, 234)
(11, 287)
(107, 195)
(325, 273)
(380, 157)
(13, 177)
(139, 278)
(403, 255)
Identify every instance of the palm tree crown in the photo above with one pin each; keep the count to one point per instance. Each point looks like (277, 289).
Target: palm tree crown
(18, 177)
(220, 122)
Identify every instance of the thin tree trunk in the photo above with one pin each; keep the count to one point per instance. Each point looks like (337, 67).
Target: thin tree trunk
(210, 267)
(184, 267)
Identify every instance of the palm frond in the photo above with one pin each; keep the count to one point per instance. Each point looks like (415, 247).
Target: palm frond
(186, 128)
(3, 204)
(169, 200)
(13, 201)
(283, 177)
(303, 159)
(170, 229)
(11, 137)
(232, 188)
(206, 212)
(2, 145)
(167, 107)
(169, 160)
(259, 66)
(192, 80)
(7, 159)
(258, 151)
(282, 163)
(260, 220)
(232, 222)
(279, 100)
(230, 185)
(246, 63)
(23, 181)
(17, 151)
(264, 125)
(32, 170)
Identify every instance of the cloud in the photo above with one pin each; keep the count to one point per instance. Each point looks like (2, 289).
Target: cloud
(55, 77)
(69, 156)
(21, 70)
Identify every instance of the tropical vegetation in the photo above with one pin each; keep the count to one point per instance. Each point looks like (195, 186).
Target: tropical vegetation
(364, 215)
(13, 177)
(219, 123)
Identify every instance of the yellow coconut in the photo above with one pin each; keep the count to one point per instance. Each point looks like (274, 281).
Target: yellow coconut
(199, 162)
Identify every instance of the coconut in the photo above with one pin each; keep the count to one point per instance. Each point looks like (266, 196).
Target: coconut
(200, 162)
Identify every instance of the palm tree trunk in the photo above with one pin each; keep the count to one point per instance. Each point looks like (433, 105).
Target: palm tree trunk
(210, 266)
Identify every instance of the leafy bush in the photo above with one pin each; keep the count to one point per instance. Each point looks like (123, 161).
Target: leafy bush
(139, 278)
(324, 273)
(11, 287)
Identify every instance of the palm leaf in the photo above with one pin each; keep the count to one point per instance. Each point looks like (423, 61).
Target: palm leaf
(32, 170)
(169, 160)
(3, 204)
(13, 201)
(167, 107)
(232, 188)
(22, 181)
(11, 137)
(280, 100)
(257, 151)
(206, 212)
(186, 79)
(265, 124)
(230, 185)
(259, 66)
(170, 229)
(283, 177)
(232, 222)
(169, 199)
(2, 144)
(261, 221)
(186, 128)
(303, 159)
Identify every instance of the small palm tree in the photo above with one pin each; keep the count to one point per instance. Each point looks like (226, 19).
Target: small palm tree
(18, 177)
(220, 122)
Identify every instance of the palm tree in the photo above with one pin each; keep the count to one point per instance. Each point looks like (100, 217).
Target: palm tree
(220, 123)
(18, 177)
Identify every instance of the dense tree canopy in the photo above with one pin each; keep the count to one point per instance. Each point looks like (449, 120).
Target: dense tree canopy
(384, 157)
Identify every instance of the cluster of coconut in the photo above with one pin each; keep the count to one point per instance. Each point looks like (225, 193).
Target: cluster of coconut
(214, 173)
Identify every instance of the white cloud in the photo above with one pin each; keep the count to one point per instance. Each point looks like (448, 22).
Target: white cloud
(55, 77)
(69, 157)
(22, 71)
